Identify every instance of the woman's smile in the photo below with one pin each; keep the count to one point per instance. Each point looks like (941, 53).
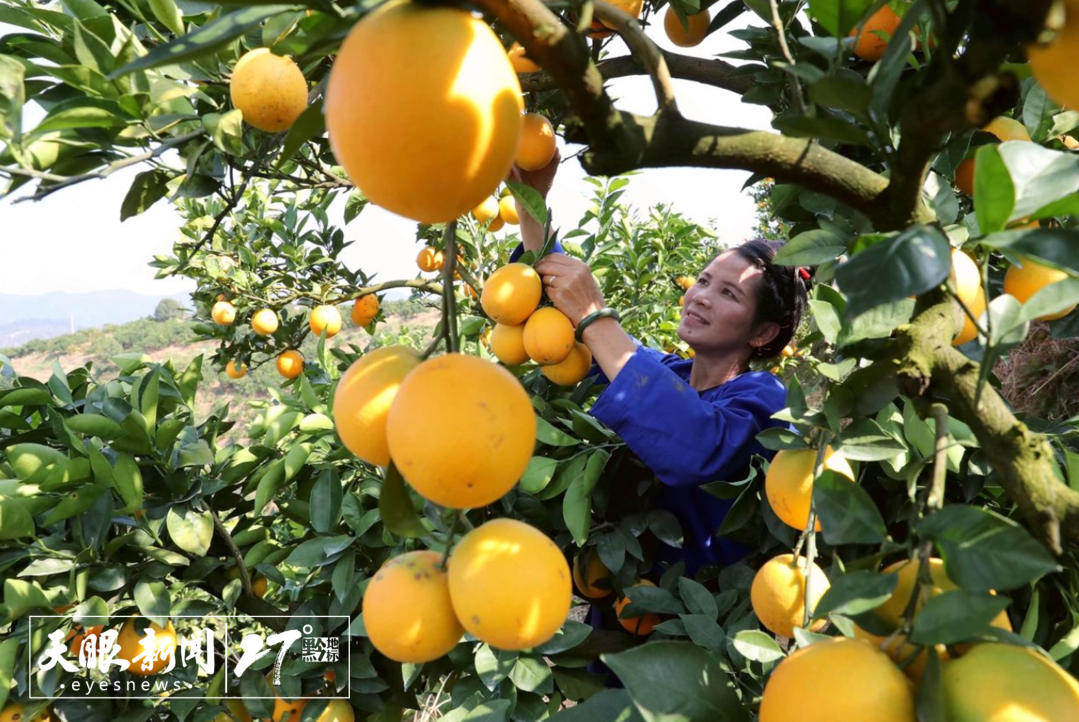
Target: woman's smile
(693, 318)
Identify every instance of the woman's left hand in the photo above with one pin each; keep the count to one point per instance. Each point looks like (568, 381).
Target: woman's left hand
(570, 286)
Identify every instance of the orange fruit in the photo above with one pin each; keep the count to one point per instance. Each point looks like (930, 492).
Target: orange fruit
(573, 369)
(269, 90)
(338, 710)
(548, 336)
(508, 344)
(325, 319)
(486, 211)
(14, 712)
(290, 364)
(891, 612)
(537, 142)
(588, 572)
(423, 110)
(264, 322)
(1006, 683)
(509, 584)
(685, 282)
(223, 313)
(520, 61)
(1026, 280)
(468, 291)
(964, 177)
(512, 293)
(77, 640)
(641, 625)
(496, 225)
(837, 679)
(461, 431)
(969, 332)
(966, 277)
(407, 609)
(286, 710)
(871, 46)
(259, 585)
(428, 260)
(1053, 64)
(682, 301)
(900, 650)
(779, 590)
(685, 37)
(362, 401)
(789, 483)
(233, 371)
(507, 210)
(129, 643)
(365, 309)
(633, 7)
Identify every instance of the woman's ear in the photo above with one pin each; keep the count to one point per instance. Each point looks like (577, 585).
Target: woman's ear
(764, 334)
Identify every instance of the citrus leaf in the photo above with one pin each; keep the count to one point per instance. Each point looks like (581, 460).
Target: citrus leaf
(395, 506)
(956, 615)
(856, 592)
(847, 512)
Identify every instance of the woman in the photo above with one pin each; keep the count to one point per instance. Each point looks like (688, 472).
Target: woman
(691, 421)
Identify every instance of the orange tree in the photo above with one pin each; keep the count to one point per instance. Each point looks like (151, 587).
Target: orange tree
(927, 233)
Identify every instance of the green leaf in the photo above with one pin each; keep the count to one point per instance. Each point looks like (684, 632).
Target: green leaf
(127, 479)
(326, 497)
(531, 200)
(704, 631)
(354, 205)
(94, 425)
(86, 113)
(994, 193)
(755, 645)
(877, 322)
(310, 124)
(493, 665)
(531, 674)
(538, 475)
(319, 552)
(395, 506)
(811, 248)
(651, 599)
(33, 462)
(148, 188)
(227, 130)
(12, 97)
(15, 519)
(610, 705)
(153, 601)
(168, 14)
(865, 440)
(955, 616)
(565, 639)
(846, 511)
(983, 550)
(8, 649)
(905, 265)
(73, 503)
(823, 127)
(856, 592)
(577, 504)
(1051, 299)
(548, 434)
(838, 16)
(1056, 246)
(206, 39)
(697, 598)
(693, 684)
(91, 613)
(21, 597)
(192, 531)
(1041, 177)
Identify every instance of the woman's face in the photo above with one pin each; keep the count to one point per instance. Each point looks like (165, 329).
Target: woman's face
(719, 308)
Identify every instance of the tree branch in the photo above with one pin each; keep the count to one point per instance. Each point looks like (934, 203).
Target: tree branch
(642, 47)
(245, 576)
(707, 71)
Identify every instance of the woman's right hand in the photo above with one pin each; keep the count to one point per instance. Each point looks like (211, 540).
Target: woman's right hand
(541, 179)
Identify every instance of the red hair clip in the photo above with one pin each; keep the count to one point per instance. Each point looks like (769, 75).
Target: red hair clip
(803, 273)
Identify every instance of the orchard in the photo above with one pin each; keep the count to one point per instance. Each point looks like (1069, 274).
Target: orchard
(906, 537)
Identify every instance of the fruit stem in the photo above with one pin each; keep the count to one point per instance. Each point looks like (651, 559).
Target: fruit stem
(811, 531)
(449, 541)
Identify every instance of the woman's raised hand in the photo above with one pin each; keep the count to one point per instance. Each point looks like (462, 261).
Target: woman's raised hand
(570, 285)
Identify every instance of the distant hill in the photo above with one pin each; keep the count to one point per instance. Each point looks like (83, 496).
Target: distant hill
(25, 318)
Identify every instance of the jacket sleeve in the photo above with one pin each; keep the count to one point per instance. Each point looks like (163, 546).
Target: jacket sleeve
(685, 439)
(520, 251)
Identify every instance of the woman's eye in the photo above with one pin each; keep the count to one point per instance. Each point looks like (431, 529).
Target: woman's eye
(728, 292)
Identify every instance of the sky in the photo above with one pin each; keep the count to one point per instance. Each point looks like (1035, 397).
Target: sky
(73, 240)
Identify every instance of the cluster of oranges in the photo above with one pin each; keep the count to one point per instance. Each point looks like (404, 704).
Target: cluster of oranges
(525, 331)
(323, 319)
(593, 580)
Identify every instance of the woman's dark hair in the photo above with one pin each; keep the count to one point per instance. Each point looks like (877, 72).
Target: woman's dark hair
(781, 294)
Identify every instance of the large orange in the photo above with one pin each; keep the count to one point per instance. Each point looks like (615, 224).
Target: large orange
(779, 590)
(641, 625)
(407, 610)
(548, 336)
(365, 309)
(588, 572)
(510, 584)
(264, 322)
(361, 403)
(966, 277)
(837, 679)
(234, 371)
(512, 293)
(871, 46)
(507, 210)
(1026, 280)
(573, 369)
(423, 110)
(1005, 683)
(325, 319)
(537, 142)
(290, 363)
(486, 211)
(508, 344)
(1054, 64)
(461, 430)
(906, 571)
(269, 90)
(223, 313)
(428, 260)
(129, 643)
(969, 332)
(789, 483)
(686, 37)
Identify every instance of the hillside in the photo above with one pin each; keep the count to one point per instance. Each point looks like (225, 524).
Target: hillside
(174, 339)
(25, 318)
